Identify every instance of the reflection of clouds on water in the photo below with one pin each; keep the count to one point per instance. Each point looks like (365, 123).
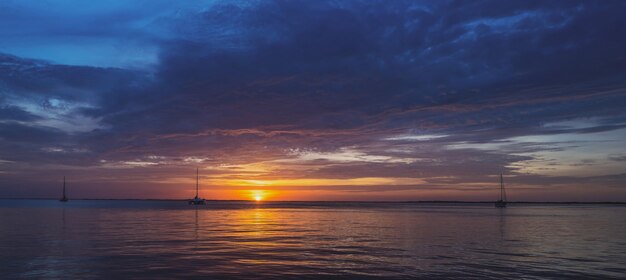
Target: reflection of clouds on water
(284, 240)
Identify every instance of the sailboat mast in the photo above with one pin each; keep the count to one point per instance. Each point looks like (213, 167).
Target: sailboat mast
(63, 186)
(501, 188)
(197, 179)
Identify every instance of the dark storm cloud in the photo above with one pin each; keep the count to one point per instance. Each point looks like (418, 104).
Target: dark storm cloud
(342, 65)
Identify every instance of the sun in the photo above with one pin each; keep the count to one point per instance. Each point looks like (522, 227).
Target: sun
(257, 195)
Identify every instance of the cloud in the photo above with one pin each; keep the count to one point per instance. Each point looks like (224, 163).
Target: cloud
(425, 90)
(617, 157)
(16, 114)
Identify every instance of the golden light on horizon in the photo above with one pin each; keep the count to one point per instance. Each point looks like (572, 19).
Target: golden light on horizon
(364, 181)
(267, 188)
(257, 195)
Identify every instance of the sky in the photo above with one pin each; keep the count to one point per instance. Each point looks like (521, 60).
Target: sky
(314, 100)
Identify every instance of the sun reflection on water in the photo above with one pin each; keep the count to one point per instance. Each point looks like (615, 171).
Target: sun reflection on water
(245, 239)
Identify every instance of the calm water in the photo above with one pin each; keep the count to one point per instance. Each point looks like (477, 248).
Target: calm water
(241, 240)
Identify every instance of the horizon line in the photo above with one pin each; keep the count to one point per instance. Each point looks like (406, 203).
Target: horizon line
(332, 201)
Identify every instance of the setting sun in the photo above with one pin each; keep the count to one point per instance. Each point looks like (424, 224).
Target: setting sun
(257, 195)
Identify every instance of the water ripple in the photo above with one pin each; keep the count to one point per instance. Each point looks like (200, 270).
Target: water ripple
(227, 240)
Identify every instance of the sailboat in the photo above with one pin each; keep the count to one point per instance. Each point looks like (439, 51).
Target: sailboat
(64, 198)
(196, 200)
(501, 203)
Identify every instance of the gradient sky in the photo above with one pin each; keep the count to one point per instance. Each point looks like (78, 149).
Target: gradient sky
(314, 100)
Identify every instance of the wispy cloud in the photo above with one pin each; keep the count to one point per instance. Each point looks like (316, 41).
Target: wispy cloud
(422, 96)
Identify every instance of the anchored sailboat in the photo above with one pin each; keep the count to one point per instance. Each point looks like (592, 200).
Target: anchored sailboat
(501, 203)
(64, 198)
(196, 200)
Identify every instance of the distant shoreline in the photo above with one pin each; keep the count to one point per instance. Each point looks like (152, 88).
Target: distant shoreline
(332, 201)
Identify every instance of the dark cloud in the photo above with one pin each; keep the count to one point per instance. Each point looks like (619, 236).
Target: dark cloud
(16, 132)
(15, 113)
(617, 157)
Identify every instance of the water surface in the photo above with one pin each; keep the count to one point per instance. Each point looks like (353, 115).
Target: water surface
(245, 240)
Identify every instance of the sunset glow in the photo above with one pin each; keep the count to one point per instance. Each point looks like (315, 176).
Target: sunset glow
(348, 100)
(312, 139)
(257, 195)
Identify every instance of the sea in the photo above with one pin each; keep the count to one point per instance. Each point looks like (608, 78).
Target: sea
(138, 239)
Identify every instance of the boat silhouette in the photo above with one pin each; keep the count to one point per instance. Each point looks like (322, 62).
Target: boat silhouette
(501, 203)
(64, 198)
(196, 200)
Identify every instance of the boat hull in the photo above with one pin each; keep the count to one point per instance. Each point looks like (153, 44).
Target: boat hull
(197, 202)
